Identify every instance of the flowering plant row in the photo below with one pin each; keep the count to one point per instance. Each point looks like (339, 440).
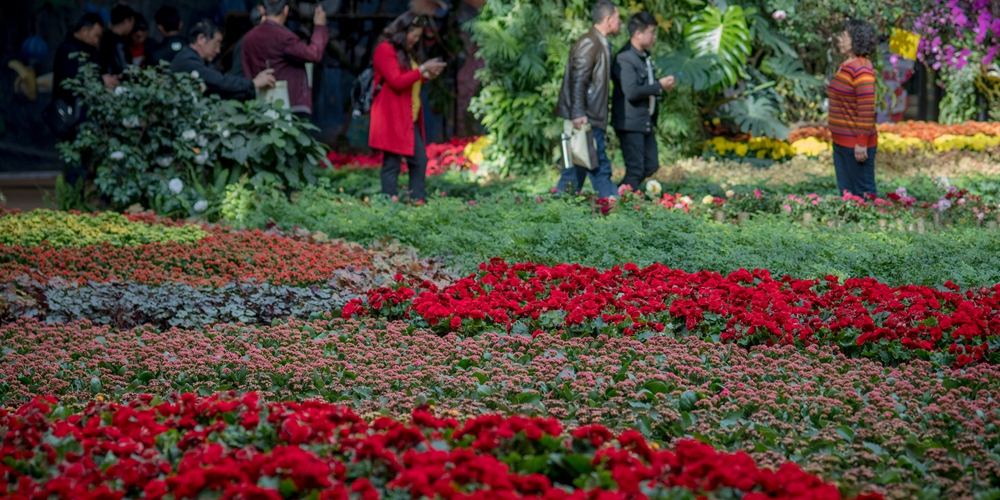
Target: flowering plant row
(912, 429)
(62, 229)
(223, 256)
(893, 138)
(238, 447)
(456, 154)
(862, 316)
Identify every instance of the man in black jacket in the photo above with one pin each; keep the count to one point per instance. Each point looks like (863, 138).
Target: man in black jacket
(584, 96)
(204, 44)
(168, 20)
(83, 40)
(633, 105)
(114, 55)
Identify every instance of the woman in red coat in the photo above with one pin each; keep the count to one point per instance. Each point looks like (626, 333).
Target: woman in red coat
(397, 122)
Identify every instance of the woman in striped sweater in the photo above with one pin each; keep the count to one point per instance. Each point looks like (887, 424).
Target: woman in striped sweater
(852, 110)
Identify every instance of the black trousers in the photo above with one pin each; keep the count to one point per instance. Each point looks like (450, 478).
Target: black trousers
(641, 161)
(392, 163)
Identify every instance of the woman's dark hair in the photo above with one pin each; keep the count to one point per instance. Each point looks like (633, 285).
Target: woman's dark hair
(396, 33)
(864, 40)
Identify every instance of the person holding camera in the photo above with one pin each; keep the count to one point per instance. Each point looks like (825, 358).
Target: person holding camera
(273, 46)
(633, 102)
(397, 120)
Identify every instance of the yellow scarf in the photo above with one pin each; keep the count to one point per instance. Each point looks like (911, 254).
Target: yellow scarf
(416, 93)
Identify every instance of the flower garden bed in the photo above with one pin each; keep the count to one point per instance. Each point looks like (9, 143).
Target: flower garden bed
(241, 448)
(795, 387)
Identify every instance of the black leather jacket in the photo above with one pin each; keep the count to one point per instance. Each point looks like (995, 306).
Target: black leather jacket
(630, 100)
(586, 82)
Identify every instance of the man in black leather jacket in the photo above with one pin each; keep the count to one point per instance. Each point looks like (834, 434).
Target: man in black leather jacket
(633, 102)
(584, 96)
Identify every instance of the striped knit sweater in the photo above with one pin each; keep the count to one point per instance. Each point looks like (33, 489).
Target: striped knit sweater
(852, 104)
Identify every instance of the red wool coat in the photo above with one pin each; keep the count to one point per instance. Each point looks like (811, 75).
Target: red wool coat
(392, 124)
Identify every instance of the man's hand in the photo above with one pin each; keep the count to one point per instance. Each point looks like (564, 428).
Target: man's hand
(319, 18)
(860, 153)
(265, 79)
(579, 122)
(110, 81)
(668, 82)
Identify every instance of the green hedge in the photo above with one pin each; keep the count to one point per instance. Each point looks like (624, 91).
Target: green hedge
(571, 230)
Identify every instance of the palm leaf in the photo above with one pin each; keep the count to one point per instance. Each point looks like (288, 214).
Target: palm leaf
(723, 34)
(698, 72)
(760, 30)
(758, 117)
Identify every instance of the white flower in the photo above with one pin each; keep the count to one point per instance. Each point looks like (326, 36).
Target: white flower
(225, 134)
(901, 192)
(201, 159)
(654, 188)
(189, 135)
(943, 183)
(272, 114)
(176, 185)
(165, 161)
(194, 74)
(117, 155)
(175, 113)
(130, 122)
(201, 206)
(121, 89)
(202, 141)
(779, 15)
(943, 204)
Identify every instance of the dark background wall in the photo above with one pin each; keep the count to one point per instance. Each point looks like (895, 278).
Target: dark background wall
(27, 145)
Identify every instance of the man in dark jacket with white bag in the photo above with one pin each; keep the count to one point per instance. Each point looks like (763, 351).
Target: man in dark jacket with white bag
(584, 96)
(633, 104)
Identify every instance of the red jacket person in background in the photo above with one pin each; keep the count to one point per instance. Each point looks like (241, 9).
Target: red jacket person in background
(397, 123)
(272, 45)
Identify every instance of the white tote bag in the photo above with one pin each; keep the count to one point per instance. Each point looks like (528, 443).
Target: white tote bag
(582, 145)
(279, 92)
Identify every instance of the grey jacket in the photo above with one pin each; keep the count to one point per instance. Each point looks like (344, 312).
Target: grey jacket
(586, 81)
(630, 101)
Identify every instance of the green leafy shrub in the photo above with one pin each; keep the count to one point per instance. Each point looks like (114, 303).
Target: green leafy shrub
(157, 141)
(62, 229)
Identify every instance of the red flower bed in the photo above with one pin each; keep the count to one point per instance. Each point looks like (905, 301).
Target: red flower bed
(440, 158)
(240, 448)
(224, 256)
(861, 315)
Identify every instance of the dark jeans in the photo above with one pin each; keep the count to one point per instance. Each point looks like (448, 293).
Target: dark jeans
(392, 164)
(853, 177)
(600, 177)
(641, 160)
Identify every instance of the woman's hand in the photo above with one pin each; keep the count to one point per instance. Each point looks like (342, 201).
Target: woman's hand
(432, 69)
(861, 153)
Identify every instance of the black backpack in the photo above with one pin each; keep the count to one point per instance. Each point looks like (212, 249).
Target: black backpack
(363, 92)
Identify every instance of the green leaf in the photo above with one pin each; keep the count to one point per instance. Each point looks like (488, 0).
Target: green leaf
(846, 432)
(723, 34)
(688, 400)
(758, 116)
(95, 385)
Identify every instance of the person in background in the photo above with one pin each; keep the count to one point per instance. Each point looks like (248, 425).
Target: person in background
(852, 110)
(584, 96)
(168, 21)
(114, 53)
(633, 102)
(204, 44)
(256, 17)
(84, 39)
(272, 45)
(397, 120)
(140, 34)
